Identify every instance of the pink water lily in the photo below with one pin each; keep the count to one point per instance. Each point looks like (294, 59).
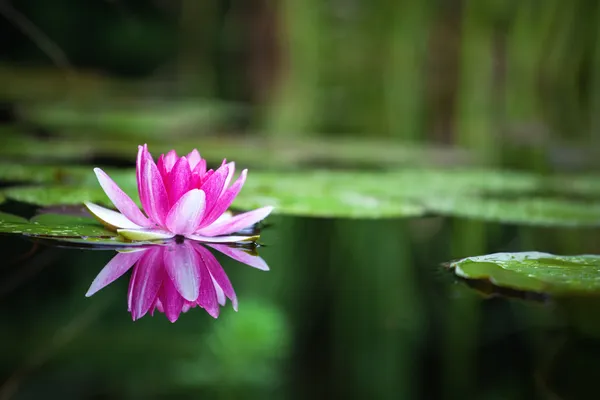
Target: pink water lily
(174, 278)
(180, 197)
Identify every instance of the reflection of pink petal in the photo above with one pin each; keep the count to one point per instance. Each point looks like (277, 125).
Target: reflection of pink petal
(208, 295)
(113, 270)
(241, 255)
(220, 295)
(217, 272)
(147, 282)
(182, 266)
(171, 300)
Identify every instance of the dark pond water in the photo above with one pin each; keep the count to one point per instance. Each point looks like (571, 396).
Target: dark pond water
(349, 309)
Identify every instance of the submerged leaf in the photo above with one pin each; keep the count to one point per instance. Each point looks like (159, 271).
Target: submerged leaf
(534, 272)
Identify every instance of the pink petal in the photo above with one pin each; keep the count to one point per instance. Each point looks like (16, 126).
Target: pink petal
(121, 201)
(110, 218)
(222, 239)
(116, 267)
(185, 215)
(217, 272)
(225, 200)
(241, 255)
(213, 186)
(130, 289)
(236, 223)
(170, 159)
(199, 173)
(229, 176)
(153, 193)
(180, 180)
(220, 295)
(208, 295)
(160, 164)
(147, 282)
(138, 168)
(193, 158)
(171, 300)
(182, 266)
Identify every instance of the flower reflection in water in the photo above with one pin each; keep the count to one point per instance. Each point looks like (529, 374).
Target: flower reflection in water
(175, 277)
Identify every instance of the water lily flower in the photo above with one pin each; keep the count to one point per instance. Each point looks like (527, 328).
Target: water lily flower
(174, 278)
(180, 197)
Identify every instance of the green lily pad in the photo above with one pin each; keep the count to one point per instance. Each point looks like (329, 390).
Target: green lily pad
(523, 210)
(50, 225)
(482, 194)
(534, 272)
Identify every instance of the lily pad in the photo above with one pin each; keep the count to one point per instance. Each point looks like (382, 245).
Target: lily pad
(534, 272)
(521, 210)
(481, 194)
(50, 225)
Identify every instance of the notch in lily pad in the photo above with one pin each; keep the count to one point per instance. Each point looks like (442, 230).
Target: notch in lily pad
(535, 272)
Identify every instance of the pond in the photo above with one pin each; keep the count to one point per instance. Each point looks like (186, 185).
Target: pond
(349, 308)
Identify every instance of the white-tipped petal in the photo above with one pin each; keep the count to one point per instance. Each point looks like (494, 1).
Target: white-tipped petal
(145, 234)
(236, 223)
(111, 218)
(186, 214)
(115, 268)
(222, 239)
(242, 255)
(121, 200)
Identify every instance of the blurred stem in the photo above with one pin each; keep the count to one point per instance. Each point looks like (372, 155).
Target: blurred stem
(403, 71)
(475, 119)
(294, 108)
(530, 27)
(197, 75)
(594, 132)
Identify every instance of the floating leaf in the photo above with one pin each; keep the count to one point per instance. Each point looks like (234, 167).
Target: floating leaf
(534, 272)
(481, 194)
(53, 225)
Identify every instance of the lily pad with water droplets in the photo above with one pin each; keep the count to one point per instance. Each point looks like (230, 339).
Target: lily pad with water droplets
(53, 226)
(535, 272)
